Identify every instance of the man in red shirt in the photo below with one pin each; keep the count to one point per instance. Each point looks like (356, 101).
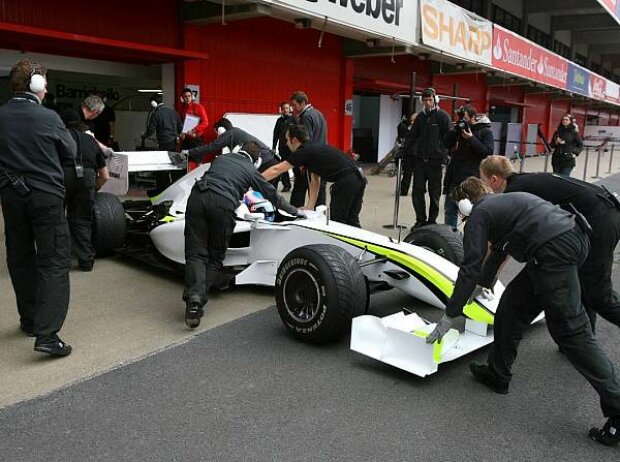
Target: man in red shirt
(193, 137)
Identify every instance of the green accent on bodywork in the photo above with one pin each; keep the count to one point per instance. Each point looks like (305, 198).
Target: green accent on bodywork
(168, 219)
(472, 310)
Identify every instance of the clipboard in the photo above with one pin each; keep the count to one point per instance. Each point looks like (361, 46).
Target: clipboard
(190, 123)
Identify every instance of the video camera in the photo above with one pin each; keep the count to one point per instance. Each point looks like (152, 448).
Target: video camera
(461, 124)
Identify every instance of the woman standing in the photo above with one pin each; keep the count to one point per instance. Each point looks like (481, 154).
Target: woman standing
(567, 145)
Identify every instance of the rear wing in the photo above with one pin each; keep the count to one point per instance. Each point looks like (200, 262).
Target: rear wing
(121, 164)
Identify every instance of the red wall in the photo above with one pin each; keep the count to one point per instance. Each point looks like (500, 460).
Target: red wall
(153, 22)
(255, 64)
(381, 74)
(559, 107)
(471, 86)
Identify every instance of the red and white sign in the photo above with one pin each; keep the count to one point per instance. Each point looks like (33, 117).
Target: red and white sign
(456, 31)
(597, 86)
(514, 54)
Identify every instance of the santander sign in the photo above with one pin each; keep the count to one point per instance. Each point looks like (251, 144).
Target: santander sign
(518, 56)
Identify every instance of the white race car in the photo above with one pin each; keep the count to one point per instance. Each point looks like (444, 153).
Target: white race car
(323, 271)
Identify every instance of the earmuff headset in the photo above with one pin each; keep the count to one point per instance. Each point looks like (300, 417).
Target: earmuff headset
(435, 97)
(465, 207)
(220, 131)
(38, 82)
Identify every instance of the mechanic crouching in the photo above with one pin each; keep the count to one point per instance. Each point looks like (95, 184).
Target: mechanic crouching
(210, 221)
(553, 244)
(33, 143)
(325, 163)
(470, 141)
(83, 176)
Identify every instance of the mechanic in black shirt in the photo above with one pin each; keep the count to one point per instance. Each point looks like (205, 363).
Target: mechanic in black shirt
(232, 138)
(82, 177)
(553, 244)
(596, 204)
(210, 221)
(328, 164)
(165, 123)
(33, 143)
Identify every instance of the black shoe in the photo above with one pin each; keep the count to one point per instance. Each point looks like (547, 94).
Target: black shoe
(418, 224)
(487, 376)
(86, 267)
(55, 348)
(28, 330)
(609, 435)
(193, 313)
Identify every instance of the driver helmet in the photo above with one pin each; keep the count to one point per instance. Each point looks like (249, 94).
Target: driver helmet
(256, 203)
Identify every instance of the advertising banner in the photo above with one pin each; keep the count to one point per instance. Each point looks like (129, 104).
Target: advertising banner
(388, 18)
(612, 93)
(456, 31)
(578, 80)
(514, 54)
(597, 87)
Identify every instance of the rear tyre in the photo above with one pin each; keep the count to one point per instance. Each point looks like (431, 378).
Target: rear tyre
(319, 289)
(440, 239)
(109, 224)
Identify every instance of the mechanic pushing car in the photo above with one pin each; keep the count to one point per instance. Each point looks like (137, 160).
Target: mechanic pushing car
(325, 163)
(33, 144)
(598, 205)
(553, 244)
(210, 221)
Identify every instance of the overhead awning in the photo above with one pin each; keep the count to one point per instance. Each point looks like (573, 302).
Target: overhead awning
(36, 39)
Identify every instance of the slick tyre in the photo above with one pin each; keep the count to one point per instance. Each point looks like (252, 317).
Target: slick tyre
(440, 239)
(319, 289)
(109, 224)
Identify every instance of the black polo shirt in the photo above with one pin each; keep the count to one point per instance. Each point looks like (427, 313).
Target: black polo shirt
(330, 163)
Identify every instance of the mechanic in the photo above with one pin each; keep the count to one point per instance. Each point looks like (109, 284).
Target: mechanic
(87, 173)
(425, 144)
(552, 243)
(165, 123)
(314, 121)
(599, 206)
(89, 110)
(470, 141)
(193, 137)
(279, 140)
(104, 123)
(210, 221)
(33, 143)
(229, 139)
(325, 163)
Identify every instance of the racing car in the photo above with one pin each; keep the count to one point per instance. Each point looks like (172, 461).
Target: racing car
(323, 272)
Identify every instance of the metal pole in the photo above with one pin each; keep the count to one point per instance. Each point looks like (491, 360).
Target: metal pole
(546, 162)
(611, 157)
(598, 162)
(394, 224)
(585, 167)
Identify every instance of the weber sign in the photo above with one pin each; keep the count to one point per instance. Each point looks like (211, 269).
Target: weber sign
(391, 19)
(456, 31)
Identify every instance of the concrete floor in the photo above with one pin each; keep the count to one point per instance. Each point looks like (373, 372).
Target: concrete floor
(122, 312)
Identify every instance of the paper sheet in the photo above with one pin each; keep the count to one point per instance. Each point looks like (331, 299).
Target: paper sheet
(190, 123)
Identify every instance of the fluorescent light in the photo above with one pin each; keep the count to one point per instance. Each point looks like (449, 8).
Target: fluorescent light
(150, 91)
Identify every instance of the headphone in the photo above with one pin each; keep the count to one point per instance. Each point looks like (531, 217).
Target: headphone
(435, 96)
(465, 207)
(38, 82)
(220, 130)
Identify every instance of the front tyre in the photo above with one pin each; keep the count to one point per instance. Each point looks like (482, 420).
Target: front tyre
(440, 239)
(319, 289)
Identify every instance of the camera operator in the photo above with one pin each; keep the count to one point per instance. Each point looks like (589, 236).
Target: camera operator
(470, 141)
(33, 144)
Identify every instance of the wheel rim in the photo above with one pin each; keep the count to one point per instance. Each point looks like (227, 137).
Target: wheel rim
(302, 295)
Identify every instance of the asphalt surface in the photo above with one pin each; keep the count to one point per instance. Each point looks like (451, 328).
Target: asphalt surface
(247, 391)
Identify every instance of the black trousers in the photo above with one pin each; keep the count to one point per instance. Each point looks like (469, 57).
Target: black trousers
(209, 223)
(300, 188)
(598, 294)
(347, 196)
(551, 282)
(407, 174)
(79, 201)
(38, 257)
(426, 171)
